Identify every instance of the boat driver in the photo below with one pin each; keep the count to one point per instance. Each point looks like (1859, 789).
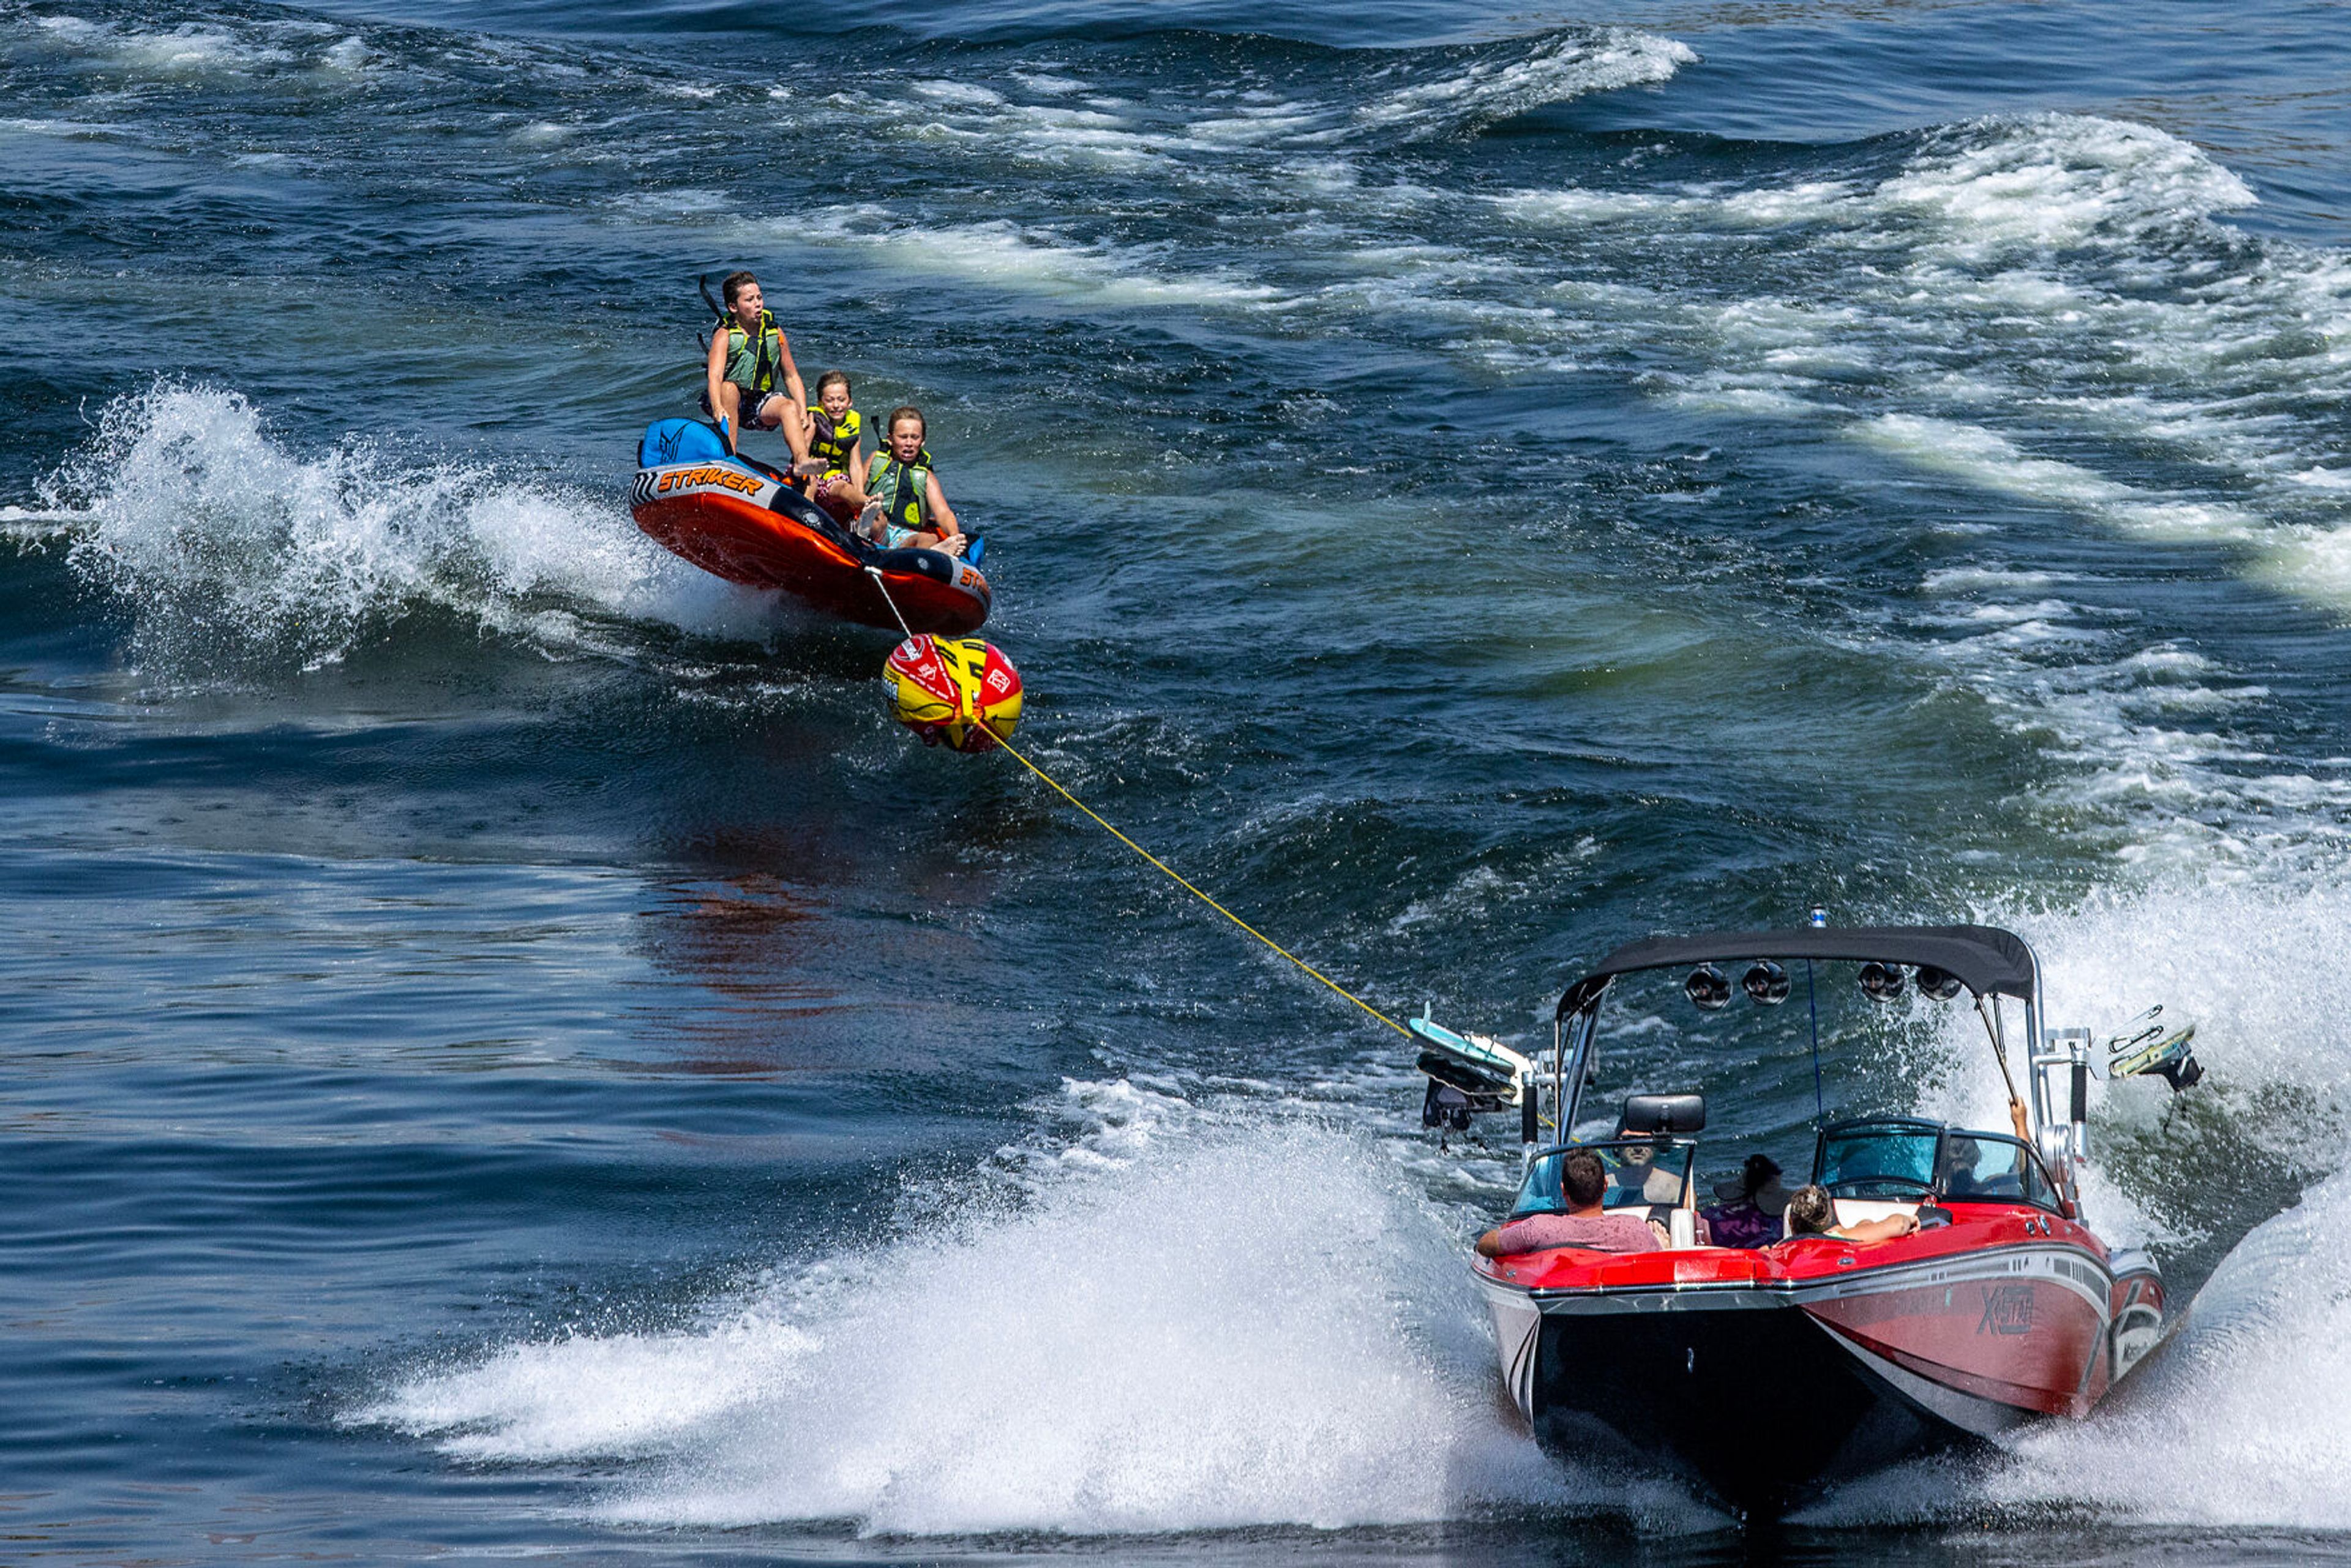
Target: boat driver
(1960, 1162)
(1584, 1182)
(1642, 1181)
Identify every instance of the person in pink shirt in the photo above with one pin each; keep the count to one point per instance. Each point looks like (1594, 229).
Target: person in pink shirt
(1582, 1179)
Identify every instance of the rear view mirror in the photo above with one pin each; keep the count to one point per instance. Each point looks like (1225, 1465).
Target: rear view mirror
(1664, 1113)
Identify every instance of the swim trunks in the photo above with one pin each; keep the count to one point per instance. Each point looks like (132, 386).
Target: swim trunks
(751, 405)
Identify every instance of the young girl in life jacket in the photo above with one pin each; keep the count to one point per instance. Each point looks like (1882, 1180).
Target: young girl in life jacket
(749, 354)
(905, 504)
(835, 439)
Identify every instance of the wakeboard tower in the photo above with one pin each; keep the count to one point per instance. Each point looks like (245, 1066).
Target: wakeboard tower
(1767, 1374)
(738, 518)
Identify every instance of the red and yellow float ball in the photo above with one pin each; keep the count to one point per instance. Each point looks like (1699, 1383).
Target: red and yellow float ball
(957, 692)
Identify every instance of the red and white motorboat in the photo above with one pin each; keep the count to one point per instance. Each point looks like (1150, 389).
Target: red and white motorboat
(1770, 1374)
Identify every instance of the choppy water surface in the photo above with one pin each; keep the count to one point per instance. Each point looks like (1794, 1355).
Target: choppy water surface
(510, 1053)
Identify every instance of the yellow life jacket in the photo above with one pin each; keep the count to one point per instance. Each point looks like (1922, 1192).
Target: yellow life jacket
(835, 441)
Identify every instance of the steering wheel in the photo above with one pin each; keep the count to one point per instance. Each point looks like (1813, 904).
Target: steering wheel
(1844, 1188)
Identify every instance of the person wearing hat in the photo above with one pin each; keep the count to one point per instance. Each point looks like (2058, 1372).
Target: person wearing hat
(1753, 1203)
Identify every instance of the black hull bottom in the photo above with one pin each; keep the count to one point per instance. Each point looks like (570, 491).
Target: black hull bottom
(1763, 1408)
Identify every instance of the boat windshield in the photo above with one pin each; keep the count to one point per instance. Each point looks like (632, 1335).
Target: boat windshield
(1640, 1171)
(1991, 1167)
(1889, 1160)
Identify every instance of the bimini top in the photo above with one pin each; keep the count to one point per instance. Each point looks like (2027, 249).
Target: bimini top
(1986, 959)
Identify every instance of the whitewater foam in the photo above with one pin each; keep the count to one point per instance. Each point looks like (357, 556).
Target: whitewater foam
(188, 48)
(1032, 259)
(1496, 82)
(2151, 329)
(1051, 83)
(225, 545)
(2046, 181)
(1199, 1324)
(1455, 91)
(1991, 461)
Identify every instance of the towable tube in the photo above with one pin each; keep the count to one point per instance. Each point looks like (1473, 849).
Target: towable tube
(740, 519)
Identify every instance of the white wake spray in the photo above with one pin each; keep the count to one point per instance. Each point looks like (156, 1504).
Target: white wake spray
(1190, 1323)
(225, 544)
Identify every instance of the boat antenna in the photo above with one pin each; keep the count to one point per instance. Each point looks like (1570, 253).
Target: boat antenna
(1813, 1004)
(1991, 1015)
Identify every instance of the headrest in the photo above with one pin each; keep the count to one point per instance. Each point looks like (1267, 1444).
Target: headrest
(1664, 1113)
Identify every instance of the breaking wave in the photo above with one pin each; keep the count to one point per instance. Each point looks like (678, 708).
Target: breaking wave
(1481, 86)
(225, 545)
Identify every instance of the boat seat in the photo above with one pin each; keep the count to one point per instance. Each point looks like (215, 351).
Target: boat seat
(1662, 1215)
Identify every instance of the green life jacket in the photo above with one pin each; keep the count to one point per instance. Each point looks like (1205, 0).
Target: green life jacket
(903, 489)
(835, 441)
(752, 363)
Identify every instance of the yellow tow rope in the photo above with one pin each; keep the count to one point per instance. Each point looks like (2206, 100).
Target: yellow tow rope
(1195, 891)
(973, 717)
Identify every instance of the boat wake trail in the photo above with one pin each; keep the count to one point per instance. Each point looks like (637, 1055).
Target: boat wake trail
(1176, 1321)
(232, 550)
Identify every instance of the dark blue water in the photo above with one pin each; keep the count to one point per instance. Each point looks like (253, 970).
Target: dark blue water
(511, 1053)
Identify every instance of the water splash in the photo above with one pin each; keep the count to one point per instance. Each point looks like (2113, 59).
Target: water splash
(229, 548)
(1192, 1323)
